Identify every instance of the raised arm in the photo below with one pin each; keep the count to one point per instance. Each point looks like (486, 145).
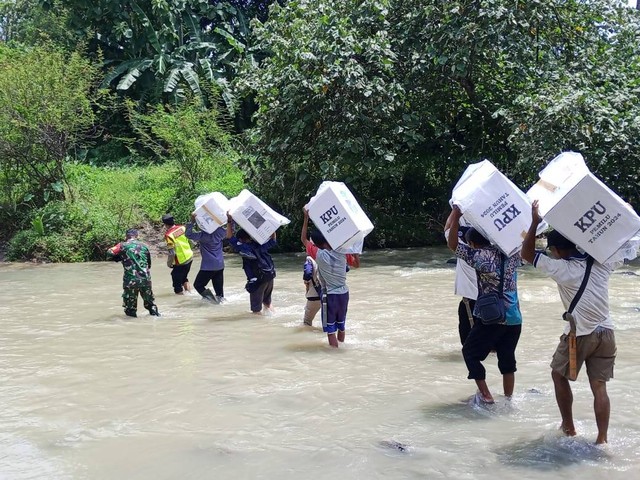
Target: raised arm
(454, 224)
(305, 228)
(229, 225)
(189, 233)
(529, 244)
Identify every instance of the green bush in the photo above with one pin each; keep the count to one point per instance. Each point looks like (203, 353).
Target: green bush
(22, 245)
(104, 202)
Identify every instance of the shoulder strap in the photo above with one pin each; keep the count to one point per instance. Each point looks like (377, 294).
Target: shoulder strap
(583, 285)
(503, 257)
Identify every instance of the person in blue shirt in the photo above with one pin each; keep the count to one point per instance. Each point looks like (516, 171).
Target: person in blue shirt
(490, 264)
(212, 265)
(258, 266)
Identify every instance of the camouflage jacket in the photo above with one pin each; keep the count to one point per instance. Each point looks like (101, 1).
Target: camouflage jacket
(136, 260)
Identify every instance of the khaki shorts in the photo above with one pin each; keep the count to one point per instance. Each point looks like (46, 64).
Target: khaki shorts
(597, 350)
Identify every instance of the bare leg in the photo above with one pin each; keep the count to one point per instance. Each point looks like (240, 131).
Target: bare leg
(508, 383)
(333, 341)
(564, 399)
(341, 335)
(187, 287)
(484, 391)
(602, 408)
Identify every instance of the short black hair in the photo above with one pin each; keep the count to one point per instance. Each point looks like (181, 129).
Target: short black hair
(131, 233)
(318, 238)
(167, 219)
(243, 235)
(556, 239)
(476, 237)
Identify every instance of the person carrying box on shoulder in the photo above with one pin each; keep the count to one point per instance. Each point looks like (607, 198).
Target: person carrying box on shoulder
(501, 322)
(313, 288)
(588, 338)
(258, 266)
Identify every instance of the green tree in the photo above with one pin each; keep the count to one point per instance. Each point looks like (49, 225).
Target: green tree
(167, 46)
(27, 22)
(397, 97)
(45, 113)
(189, 136)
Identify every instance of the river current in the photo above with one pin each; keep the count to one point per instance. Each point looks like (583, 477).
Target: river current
(213, 392)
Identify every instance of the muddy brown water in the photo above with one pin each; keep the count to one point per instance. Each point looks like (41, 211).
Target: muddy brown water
(212, 392)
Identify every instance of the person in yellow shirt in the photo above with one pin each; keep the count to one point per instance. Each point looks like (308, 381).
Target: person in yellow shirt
(180, 254)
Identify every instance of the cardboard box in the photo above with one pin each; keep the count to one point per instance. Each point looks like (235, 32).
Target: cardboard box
(255, 217)
(338, 216)
(211, 211)
(583, 209)
(493, 205)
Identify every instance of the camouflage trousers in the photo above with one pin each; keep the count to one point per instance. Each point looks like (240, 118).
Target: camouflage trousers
(130, 297)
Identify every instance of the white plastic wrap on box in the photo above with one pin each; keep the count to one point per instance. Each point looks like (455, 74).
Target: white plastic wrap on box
(584, 210)
(211, 211)
(255, 217)
(493, 205)
(338, 216)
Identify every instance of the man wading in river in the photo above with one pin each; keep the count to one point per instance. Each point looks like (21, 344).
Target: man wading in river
(136, 260)
(465, 285)
(588, 322)
(491, 266)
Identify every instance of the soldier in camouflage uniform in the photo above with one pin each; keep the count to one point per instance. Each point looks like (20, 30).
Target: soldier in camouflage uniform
(136, 260)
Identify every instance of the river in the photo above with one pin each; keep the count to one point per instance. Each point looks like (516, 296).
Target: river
(212, 392)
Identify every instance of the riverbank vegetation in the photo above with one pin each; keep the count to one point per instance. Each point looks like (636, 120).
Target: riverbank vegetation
(115, 112)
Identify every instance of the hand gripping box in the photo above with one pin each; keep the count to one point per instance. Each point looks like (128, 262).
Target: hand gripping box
(583, 209)
(338, 216)
(255, 217)
(493, 205)
(211, 211)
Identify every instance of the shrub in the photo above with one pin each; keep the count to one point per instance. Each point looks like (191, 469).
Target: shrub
(22, 245)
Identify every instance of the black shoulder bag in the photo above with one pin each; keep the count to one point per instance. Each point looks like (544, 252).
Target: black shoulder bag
(490, 307)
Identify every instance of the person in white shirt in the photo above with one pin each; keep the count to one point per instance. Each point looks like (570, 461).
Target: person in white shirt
(596, 344)
(465, 285)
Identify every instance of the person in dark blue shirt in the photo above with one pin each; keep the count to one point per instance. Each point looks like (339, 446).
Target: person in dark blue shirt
(257, 264)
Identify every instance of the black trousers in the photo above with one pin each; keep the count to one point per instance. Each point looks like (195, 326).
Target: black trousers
(464, 322)
(214, 276)
(484, 338)
(179, 275)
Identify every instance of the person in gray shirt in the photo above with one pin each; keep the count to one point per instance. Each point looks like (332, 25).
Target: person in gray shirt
(332, 270)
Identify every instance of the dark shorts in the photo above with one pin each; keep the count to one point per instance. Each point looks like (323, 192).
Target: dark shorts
(336, 313)
(179, 276)
(484, 338)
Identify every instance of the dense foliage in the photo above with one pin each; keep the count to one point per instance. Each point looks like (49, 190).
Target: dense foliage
(394, 97)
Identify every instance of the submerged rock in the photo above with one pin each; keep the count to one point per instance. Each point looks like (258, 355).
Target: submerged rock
(394, 445)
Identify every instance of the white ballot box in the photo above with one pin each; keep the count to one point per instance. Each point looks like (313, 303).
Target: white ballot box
(583, 209)
(493, 205)
(255, 217)
(211, 211)
(338, 216)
